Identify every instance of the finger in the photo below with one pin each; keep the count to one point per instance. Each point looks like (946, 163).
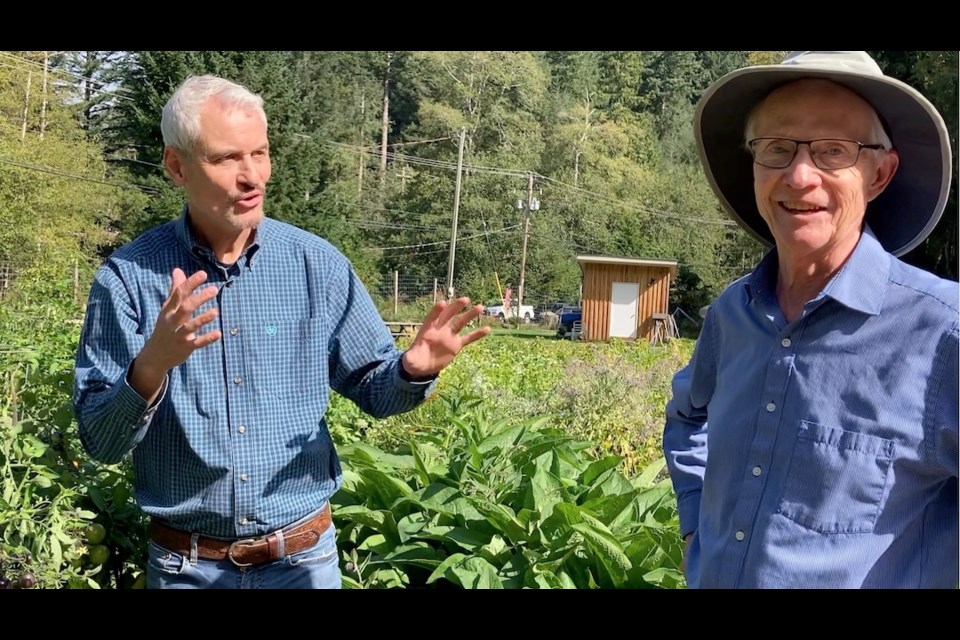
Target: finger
(183, 286)
(206, 339)
(173, 297)
(454, 308)
(473, 336)
(460, 322)
(471, 315)
(457, 324)
(435, 312)
(194, 281)
(474, 313)
(196, 323)
(193, 303)
(178, 278)
(201, 297)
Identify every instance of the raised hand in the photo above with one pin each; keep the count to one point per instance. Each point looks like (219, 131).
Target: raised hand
(175, 335)
(439, 339)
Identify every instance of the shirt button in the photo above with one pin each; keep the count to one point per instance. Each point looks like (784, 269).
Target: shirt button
(242, 429)
(234, 331)
(740, 535)
(757, 471)
(244, 520)
(244, 477)
(771, 407)
(786, 342)
(237, 380)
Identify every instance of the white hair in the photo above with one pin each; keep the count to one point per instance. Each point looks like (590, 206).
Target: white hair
(878, 135)
(180, 122)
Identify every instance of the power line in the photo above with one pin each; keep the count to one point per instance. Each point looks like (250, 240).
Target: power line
(428, 162)
(413, 160)
(66, 174)
(654, 212)
(53, 69)
(373, 224)
(595, 251)
(94, 90)
(433, 244)
(413, 143)
(415, 214)
(121, 158)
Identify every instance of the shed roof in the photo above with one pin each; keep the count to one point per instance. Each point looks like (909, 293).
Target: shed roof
(636, 262)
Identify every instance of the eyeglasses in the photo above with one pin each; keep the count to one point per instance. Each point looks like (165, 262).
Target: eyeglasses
(828, 154)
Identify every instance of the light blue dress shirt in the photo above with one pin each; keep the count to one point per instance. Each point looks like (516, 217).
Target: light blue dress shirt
(832, 439)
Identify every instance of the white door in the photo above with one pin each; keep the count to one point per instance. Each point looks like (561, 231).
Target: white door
(623, 310)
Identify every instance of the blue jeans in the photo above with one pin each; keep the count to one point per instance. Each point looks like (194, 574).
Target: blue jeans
(314, 568)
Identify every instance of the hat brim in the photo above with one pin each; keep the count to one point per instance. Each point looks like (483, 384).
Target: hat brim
(902, 216)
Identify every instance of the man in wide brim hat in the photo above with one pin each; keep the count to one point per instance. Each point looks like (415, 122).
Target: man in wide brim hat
(904, 214)
(812, 440)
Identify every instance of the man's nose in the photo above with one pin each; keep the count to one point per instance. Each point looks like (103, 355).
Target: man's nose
(803, 171)
(249, 171)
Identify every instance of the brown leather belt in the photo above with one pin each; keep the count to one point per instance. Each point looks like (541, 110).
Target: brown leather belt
(247, 551)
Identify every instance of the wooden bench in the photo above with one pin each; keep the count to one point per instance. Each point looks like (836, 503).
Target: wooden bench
(404, 329)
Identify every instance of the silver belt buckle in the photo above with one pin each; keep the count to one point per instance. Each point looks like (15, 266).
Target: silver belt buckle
(230, 552)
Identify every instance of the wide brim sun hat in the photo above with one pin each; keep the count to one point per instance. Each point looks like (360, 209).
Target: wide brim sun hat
(904, 215)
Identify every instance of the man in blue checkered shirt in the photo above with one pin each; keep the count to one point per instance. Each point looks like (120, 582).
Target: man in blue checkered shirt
(209, 348)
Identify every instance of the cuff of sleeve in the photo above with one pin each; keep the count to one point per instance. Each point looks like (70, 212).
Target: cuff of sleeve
(406, 377)
(411, 385)
(132, 406)
(688, 509)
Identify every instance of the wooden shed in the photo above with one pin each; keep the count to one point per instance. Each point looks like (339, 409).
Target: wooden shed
(621, 295)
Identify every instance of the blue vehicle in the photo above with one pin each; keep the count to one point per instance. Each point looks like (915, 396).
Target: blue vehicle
(567, 318)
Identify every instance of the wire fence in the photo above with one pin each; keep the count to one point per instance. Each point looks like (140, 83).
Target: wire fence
(403, 297)
(7, 275)
(405, 288)
(397, 295)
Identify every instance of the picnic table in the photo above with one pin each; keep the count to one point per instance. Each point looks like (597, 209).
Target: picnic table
(404, 329)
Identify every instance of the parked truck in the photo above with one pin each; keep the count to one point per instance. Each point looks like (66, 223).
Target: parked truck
(525, 312)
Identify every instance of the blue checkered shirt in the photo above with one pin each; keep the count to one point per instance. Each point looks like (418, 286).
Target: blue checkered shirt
(832, 439)
(236, 445)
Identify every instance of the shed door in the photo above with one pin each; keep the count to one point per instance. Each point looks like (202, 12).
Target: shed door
(623, 309)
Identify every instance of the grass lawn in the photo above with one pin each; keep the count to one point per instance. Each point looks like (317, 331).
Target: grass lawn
(525, 332)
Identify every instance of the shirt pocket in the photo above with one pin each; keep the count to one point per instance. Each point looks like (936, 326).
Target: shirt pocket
(837, 479)
(289, 357)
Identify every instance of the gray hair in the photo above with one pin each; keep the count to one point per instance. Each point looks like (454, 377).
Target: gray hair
(878, 135)
(180, 122)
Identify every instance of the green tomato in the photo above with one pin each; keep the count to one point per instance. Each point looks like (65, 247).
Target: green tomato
(95, 533)
(98, 554)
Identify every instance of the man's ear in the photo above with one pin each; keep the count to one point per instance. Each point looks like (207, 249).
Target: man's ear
(173, 163)
(885, 170)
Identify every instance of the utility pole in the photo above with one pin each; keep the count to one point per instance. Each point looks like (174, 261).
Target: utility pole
(363, 159)
(403, 178)
(43, 108)
(532, 205)
(385, 121)
(26, 107)
(456, 213)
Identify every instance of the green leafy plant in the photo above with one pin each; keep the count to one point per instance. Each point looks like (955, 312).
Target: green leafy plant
(480, 503)
(64, 520)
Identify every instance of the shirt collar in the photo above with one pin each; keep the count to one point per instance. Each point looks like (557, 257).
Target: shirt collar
(189, 241)
(762, 283)
(860, 284)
